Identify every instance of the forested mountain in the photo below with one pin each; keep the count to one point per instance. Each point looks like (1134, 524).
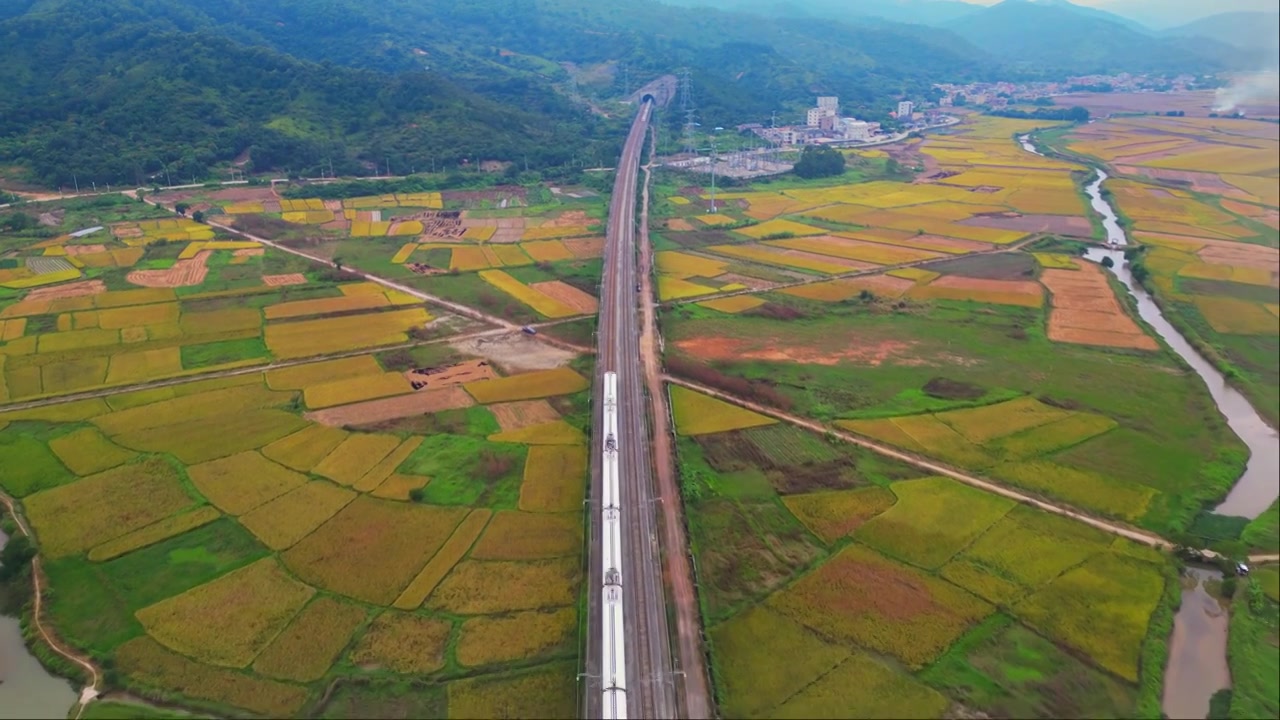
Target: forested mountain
(1255, 33)
(119, 90)
(923, 12)
(1056, 36)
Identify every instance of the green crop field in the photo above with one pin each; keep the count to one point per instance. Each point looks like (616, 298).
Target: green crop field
(223, 538)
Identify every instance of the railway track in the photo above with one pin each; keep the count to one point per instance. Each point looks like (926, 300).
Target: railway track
(649, 689)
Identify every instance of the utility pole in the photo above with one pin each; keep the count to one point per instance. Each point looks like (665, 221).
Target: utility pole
(76, 180)
(714, 159)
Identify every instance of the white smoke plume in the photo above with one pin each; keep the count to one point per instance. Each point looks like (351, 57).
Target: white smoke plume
(1247, 89)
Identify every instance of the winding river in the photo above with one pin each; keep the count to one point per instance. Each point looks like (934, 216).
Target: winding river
(1254, 492)
(1257, 488)
(27, 690)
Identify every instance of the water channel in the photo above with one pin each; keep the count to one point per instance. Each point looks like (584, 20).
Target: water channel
(1197, 649)
(1256, 489)
(1197, 666)
(27, 690)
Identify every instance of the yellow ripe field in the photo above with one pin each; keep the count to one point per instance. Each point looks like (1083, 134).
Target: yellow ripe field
(914, 274)
(698, 414)
(553, 232)
(356, 389)
(404, 643)
(463, 537)
(379, 473)
(306, 649)
(771, 256)
(715, 220)
(303, 376)
(554, 478)
(304, 449)
(87, 451)
(683, 265)
(75, 517)
(230, 620)
(281, 523)
(542, 304)
(331, 335)
(515, 535)
(527, 386)
(856, 250)
(733, 305)
(521, 636)
(240, 483)
(357, 455)
(670, 288)
(547, 251)
(1239, 317)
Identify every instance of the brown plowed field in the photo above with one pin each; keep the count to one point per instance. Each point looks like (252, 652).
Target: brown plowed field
(279, 280)
(250, 252)
(376, 411)
(679, 225)
(523, 414)
(569, 295)
(583, 248)
(85, 249)
(725, 348)
(436, 378)
(184, 273)
(1016, 287)
(80, 289)
(243, 195)
(1086, 311)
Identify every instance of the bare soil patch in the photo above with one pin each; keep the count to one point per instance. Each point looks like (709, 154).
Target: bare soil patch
(871, 354)
(288, 279)
(436, 378)
(679, 225)
(244, 194)
(250, 252)
(520, 415)
(569, 295)
(749, 282)
(376, 411)
(184, 273)
(515, 352)
(85, 249)
(583, 248)
(938, 242)
(79, 289)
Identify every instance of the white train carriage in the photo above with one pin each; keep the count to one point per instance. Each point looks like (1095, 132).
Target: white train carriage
(613, 640)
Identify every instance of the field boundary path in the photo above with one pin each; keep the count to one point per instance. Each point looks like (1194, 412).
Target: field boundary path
(691, 662)
(90, 691)
(935, 467)
(171, 382)
(1108, 526)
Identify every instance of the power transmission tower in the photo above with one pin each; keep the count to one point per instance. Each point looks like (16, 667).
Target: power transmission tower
(690, 111)
(715, 158)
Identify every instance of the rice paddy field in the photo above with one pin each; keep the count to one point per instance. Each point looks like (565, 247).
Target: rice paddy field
(523, 253)
(963, 367)
(1201, 197)
(281, 566)
(896, 595)
(138, 306)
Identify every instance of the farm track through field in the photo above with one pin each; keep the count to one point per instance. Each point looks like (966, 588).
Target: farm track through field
(37, 609)
(694, 685)
(932, 466)
(1013, 247)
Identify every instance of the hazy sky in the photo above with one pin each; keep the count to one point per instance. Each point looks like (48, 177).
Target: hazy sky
(1217, 6)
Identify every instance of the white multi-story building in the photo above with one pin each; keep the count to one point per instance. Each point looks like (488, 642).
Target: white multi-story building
(905, 109)
(829, 102)
(856, 130)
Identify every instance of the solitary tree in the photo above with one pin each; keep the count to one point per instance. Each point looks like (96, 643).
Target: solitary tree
(198, 216)
(182, 208)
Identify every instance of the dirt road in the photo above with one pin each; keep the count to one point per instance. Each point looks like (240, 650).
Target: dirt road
(695, 688)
